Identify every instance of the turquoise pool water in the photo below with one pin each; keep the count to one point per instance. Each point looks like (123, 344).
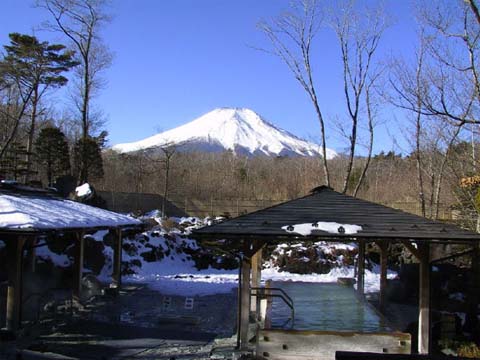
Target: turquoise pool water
(325, 307)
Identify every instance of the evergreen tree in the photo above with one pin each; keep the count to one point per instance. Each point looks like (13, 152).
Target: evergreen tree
(34, 67)
(87, 154)
(13, 164)
(51, 152)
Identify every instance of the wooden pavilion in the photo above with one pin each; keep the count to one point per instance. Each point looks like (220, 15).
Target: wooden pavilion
(29, 214)
(326, 215)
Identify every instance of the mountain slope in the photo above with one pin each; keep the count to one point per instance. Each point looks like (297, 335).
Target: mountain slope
(238, 129)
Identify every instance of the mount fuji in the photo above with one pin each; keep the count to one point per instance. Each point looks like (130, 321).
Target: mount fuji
(239, 130)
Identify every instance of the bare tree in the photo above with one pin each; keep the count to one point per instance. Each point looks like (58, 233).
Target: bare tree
(441, 91)
(358, 36)
(453, 50)
(371, 114)
(433, 137)
(409, 88)
(168, 150)
(291, 36)
(81, 22)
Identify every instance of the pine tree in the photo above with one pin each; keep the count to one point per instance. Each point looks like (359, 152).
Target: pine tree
(34, 67)
(51, 153)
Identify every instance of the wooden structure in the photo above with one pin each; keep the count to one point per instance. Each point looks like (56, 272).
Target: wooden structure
(336, 213)
(28, 214)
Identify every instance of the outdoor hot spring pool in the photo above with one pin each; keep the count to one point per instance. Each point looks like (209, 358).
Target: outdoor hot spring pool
(330, 307)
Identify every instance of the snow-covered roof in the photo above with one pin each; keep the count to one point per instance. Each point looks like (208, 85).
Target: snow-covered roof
(40, 211)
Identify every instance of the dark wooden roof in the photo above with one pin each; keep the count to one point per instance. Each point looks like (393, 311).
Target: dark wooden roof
(326, 205)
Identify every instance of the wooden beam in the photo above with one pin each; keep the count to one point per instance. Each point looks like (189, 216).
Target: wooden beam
(14, 291)
(361, 268)
(424, 300)
(244, 304)
(78, 265)
(117, 260)
(256, 279)
(383, 273)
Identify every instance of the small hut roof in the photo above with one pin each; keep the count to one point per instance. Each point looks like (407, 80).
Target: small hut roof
(36, 211)
(330, 215)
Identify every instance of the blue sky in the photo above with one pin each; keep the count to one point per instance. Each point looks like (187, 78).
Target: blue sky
(176, 60)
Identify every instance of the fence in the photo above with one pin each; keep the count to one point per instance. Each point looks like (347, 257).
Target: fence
(180, 206)
(137, 203)
(414, 207)
(236, 207)
(222, 207)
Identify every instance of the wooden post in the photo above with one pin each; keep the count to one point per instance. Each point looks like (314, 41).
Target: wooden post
(473, 295)
(424, 300)
(256, 279)
(117, 260)
(31, 261)
(14, 291)
(361, 267)
(244, 304)
(268, 310)
(78, 265)
(383, 273)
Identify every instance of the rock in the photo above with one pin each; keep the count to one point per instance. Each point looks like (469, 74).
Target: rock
(130, 248)
(154, 255)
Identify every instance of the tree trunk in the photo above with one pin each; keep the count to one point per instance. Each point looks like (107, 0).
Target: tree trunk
(31, 132)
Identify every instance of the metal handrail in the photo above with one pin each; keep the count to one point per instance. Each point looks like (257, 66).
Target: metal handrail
(260, 292)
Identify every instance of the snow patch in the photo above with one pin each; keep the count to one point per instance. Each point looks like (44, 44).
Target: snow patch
(372, 277)
(98, 235)
(330, 227)
(83, 190)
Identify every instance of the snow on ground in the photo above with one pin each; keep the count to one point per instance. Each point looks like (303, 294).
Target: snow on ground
(175, 278)
(178, 275)
(330, 227)
(44, 253)
(372, 277)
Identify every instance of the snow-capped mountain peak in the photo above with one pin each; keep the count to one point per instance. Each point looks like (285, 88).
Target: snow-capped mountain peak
(237, 129)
